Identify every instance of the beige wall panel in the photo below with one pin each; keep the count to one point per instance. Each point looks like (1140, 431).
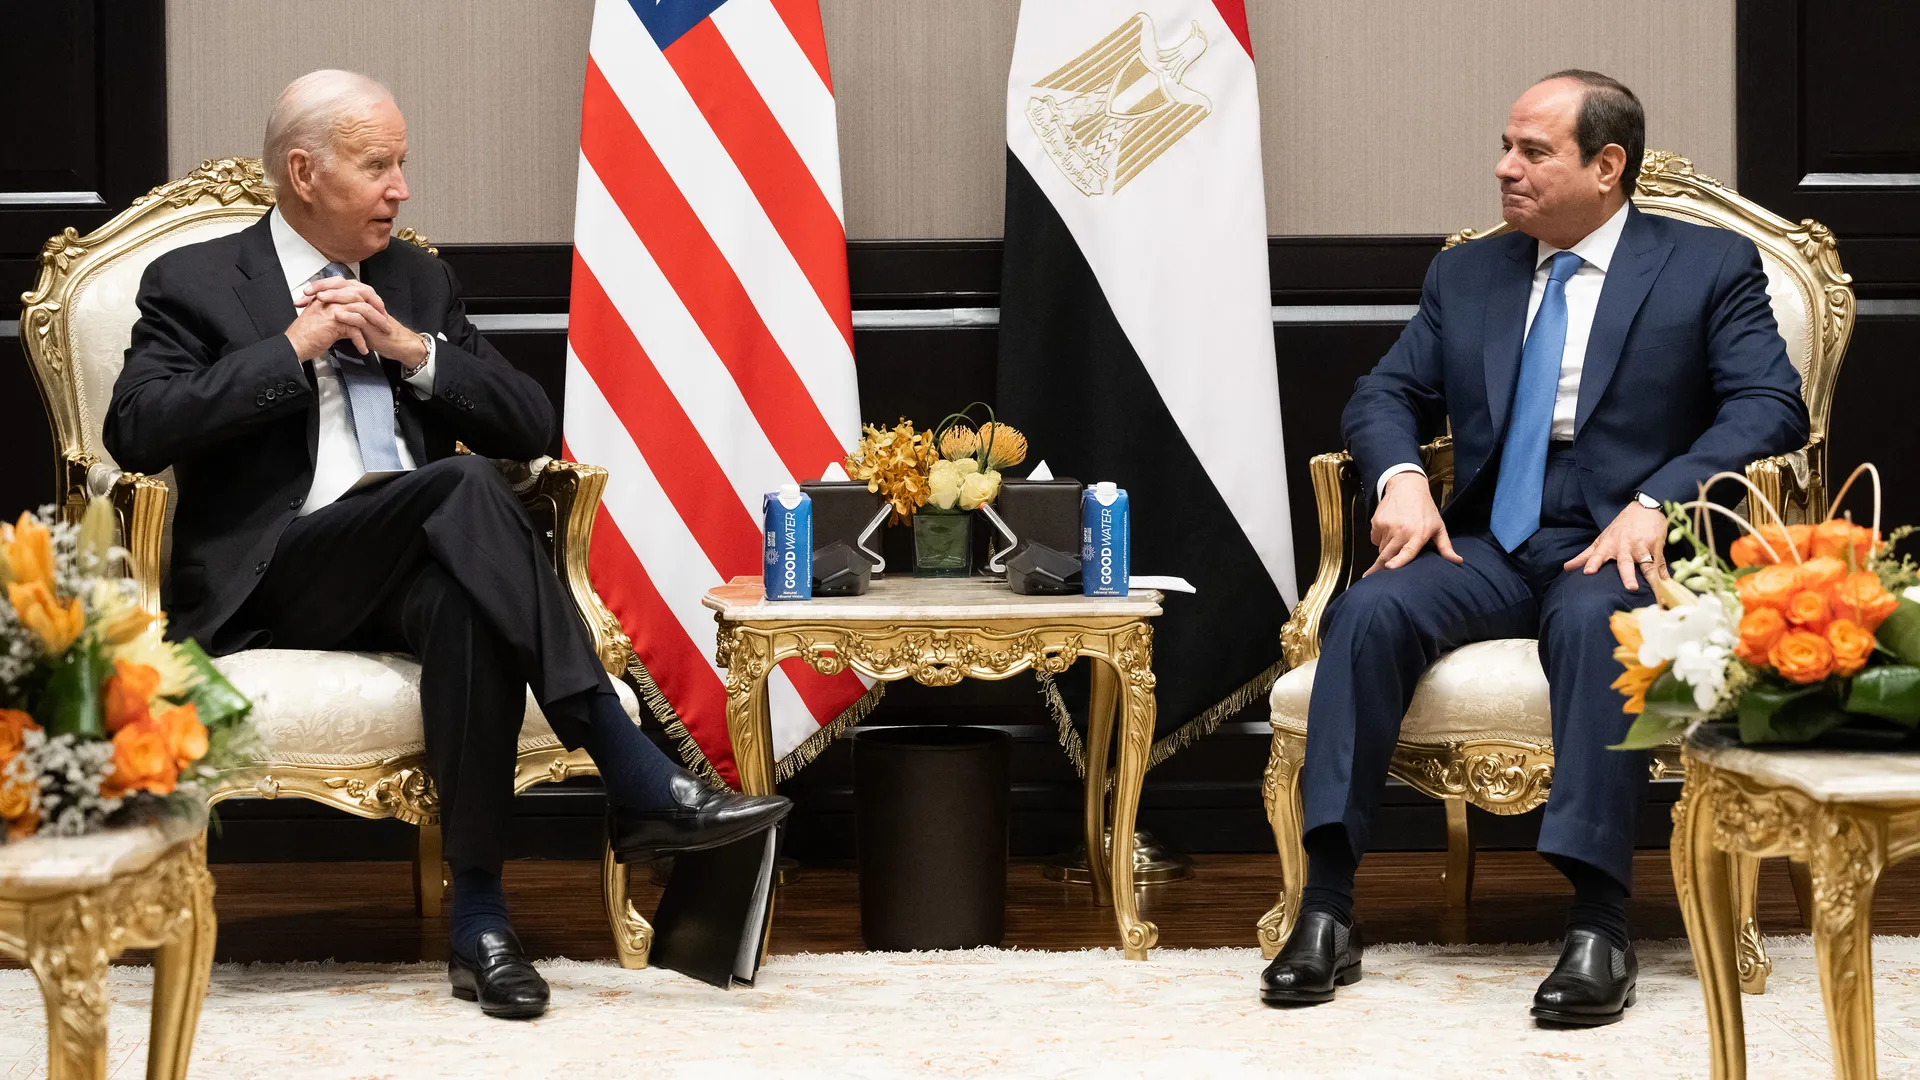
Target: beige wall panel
(490, 88)
(1379, 116)
(1384, 116)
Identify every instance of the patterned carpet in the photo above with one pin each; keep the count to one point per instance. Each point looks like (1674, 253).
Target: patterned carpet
(1422, 1011)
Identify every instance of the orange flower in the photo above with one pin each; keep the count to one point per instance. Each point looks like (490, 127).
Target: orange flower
(1772, 588)
(1808, 610)
(1834, 537)
(1801, 656)
(1759, 629)
(14, 726)
(1748, 551)
(1820, 574)
(1633, 681)
(128, 625)
(17, 809)
(142, 761)
(1852, 647)
(57, 626)
(28, 550)
(1861, 598)
(128, 693)
(189, 737)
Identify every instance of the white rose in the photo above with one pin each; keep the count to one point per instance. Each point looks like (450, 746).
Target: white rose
(979, 488)
(944, 480)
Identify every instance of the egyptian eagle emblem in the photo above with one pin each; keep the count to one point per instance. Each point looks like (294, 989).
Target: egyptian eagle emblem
(1121, 104)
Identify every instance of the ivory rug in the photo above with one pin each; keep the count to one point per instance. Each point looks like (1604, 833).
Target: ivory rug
(1421, 1011)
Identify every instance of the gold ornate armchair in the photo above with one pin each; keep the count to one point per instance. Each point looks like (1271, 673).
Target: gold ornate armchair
(1478, 732)
(339, 728)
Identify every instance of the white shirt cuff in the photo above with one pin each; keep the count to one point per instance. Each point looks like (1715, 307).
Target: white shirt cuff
(422, 380)
(1380, 488)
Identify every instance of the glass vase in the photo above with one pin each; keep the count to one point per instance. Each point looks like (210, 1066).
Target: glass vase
(942, 543)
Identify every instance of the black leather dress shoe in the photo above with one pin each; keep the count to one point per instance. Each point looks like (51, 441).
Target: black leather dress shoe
(499, 977)
(699, 818)
(1593, 984)
(1321, 955)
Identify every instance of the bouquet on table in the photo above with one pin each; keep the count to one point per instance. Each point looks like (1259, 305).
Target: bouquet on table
(1813, 633)
(935, 478)
(102, 721)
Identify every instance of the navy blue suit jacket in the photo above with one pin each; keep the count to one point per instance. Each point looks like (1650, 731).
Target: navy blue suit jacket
(1685, 372)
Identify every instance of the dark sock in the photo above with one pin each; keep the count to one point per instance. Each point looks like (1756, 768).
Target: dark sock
(1330, 867)
(1599, 900)
(632, 769)
(479, 905)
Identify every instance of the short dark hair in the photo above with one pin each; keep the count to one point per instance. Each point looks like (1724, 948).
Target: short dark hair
(1609, 113)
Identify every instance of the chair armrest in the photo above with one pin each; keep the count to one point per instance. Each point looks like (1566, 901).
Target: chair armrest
(1795, 483)
(139, 508)
(1338, 495)
(563, 497)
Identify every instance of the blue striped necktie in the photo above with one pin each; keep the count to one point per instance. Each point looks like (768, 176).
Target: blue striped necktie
(1523, 457)
(369, 396)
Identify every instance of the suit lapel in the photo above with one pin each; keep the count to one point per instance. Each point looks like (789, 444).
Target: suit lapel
(1636, 263)
(1508, 289)
(264, 294)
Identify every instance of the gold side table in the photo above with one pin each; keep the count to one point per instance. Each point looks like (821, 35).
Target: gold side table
(1845, 815)
(937, 631)
(69, 906)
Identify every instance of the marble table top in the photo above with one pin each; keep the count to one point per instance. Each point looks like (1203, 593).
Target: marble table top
(46, 865)
(904, 598)
(1850, 776)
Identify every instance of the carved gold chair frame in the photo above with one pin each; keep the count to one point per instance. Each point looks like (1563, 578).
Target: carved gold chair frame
(1508, 777)
(561, 496)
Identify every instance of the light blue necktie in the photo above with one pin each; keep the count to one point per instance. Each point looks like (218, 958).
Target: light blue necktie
(369, 396)
(1523, 457)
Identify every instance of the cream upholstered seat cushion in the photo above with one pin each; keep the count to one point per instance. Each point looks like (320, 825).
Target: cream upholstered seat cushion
(1487, 690)
(351, 708)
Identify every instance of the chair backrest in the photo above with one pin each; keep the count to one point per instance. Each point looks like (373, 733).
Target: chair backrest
(78, 320)
(1812, 297)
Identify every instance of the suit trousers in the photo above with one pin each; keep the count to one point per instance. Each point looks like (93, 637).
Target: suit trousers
(1385, 630)
(444, 563)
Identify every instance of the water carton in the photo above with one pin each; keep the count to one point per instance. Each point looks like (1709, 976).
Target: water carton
(787, 562)
(1105, 546)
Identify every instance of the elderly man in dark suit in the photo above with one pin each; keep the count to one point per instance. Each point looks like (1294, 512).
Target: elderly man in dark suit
(307, 380)
(1593, 363)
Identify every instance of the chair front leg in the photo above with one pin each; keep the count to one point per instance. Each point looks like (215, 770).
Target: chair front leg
(1281, 791)
(429, 873)
(632, 934)
(1460, 856)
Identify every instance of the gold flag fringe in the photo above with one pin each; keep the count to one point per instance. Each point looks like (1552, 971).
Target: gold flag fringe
(1177, 740)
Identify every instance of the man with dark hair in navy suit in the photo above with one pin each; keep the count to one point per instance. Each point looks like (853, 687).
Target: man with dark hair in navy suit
(1593, 363)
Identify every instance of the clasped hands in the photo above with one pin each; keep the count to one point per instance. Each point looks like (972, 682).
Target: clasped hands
(1407, 520)
(335, 308)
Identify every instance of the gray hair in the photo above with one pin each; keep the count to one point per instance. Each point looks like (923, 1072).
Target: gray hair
(309, 111)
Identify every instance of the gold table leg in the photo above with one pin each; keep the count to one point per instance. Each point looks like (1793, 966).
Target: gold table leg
(1102, 704)
(1132, 662)
(749, 724)
(1845, 862)
(1754, 964)
(181, 969)
(1702, 877)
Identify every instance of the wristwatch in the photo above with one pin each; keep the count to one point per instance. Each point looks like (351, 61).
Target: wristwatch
(1646, 500)
(410, 372)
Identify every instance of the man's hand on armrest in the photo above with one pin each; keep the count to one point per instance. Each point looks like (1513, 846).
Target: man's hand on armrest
(1405, 521)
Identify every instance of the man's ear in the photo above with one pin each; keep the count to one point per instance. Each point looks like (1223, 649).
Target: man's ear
(300, 170)
(1612, 160)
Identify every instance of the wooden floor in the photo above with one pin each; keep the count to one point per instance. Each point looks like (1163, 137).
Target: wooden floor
(364, 911)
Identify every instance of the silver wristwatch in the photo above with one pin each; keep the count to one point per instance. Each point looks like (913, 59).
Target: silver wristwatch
(426, 341)
(1646, 500)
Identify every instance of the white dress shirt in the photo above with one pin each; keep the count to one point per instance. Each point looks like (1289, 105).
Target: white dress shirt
(1583, 299)
(336, 463)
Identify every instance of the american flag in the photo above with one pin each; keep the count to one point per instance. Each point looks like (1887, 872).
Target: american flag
(710, 340)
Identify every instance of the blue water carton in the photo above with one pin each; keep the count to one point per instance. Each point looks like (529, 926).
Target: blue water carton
(787, 563)
(1106, 550)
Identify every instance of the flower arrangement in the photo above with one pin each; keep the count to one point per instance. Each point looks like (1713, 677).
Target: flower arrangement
(102, 720)
(954, 467)
(1813, 631)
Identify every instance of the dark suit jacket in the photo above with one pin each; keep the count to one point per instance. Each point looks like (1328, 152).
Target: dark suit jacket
(1685, 372)
(211, 387)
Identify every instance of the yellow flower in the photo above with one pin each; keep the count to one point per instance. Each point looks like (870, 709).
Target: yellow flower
(944, 481)
(28, 551)
(151, 649)
(978, 488)
(1634, 681)
(959, 441)
(1006, 447)
(57, 625)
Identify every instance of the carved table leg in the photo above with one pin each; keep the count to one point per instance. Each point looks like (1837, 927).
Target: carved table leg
(749, 725)
(1132, 660)
(1754, 965)
(1280, 789)
(1846, 857)
(1101, 705)
(68, 950)
(1701, 876)
(181, 969)
(632, 934)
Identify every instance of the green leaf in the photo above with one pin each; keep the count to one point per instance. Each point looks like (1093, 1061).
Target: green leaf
(1746, 571)
(214, 699)
(71, 704)
(1652, 730)
(1891, 692)
(1771, 714)
(1900, 633)
(1670, 697)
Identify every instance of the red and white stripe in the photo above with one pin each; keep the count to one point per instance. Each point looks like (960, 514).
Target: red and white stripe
(709, 351)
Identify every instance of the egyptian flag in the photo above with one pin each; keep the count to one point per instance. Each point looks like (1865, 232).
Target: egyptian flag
(1136, 329)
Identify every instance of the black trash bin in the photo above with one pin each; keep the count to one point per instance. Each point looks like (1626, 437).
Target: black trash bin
(931, 806)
